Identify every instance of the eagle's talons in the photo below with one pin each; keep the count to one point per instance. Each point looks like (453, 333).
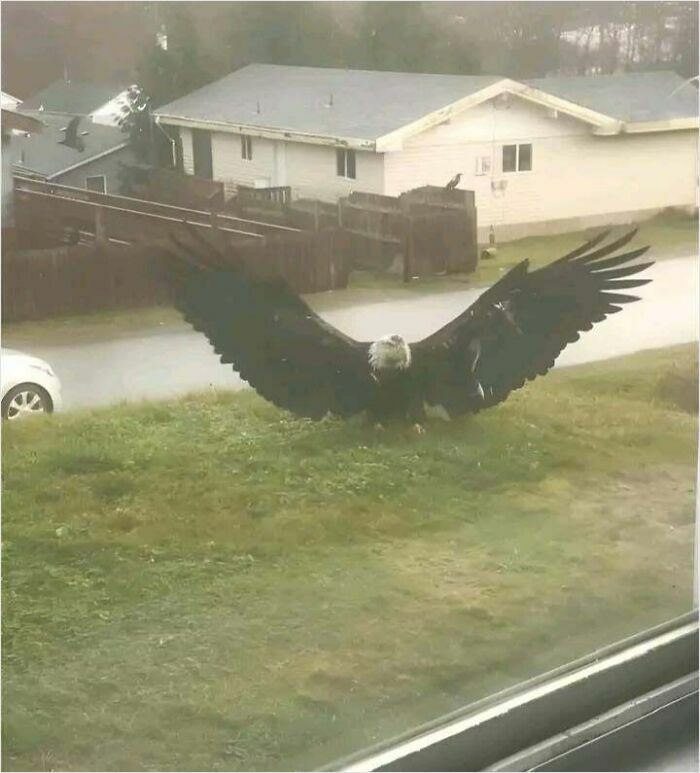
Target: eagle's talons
(419, 429)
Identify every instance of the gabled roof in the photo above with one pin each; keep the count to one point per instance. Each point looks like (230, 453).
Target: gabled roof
(637, 97)
(41, 153)
(377, 110)
(71, 97)
(366, 105)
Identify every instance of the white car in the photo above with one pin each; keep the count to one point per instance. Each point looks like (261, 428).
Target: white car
(28, 385)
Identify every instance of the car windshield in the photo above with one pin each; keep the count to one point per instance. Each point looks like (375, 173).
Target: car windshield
(372, 366)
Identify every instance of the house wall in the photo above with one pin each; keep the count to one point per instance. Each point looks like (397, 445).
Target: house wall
(107, 165)
(310, 170)
(577, 179)
(232, 169)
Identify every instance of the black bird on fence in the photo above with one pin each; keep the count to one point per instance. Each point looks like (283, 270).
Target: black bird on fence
(71, 138)
(510, 335)
(454, 182)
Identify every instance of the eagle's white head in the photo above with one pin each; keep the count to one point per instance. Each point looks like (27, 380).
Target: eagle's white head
(390, 352)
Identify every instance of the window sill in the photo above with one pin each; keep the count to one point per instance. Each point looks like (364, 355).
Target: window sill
(548, 708)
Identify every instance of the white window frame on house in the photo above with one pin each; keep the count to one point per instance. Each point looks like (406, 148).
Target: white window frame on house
(96, 177)
(346, 162)
(246, 147)
(518, 158)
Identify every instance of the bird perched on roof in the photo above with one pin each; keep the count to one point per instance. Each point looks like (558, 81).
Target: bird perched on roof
(71, 138)
(454, 182)
(512, 333)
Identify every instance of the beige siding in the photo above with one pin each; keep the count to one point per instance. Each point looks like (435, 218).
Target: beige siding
(311, 171)
(232, 169)
(577, 178)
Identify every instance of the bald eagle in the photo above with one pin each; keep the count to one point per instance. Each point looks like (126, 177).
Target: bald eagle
(512, 333)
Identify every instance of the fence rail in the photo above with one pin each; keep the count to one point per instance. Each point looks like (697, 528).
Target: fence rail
(116, 271)
(145, 207)
(278, 194)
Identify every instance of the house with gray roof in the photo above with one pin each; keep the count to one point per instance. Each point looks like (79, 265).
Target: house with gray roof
(72, 97)
(544, 155)
(96, 167)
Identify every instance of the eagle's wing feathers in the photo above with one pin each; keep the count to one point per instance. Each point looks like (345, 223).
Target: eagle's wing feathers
(517, 328)
(268, 334)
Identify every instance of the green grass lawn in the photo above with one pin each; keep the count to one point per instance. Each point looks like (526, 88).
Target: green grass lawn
(670, 234)
(211, 584)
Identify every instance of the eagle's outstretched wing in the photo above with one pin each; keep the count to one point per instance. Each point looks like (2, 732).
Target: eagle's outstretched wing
(268, 334)
(517, 328)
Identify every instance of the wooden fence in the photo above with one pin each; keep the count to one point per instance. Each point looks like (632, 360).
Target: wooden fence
(79, 279)
(171, 187)
(58, 207)
(115, 270)
(39, 284)
(279, 194)
(428, 230)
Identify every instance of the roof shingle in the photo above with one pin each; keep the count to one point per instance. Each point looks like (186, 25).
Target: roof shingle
(41, 152)
(629, 97)
(367, 105)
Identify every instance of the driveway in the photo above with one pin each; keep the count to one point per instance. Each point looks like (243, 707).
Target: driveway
(176, 361)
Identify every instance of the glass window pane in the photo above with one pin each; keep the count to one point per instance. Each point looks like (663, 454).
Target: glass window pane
(350, 155)
(246, 147)
(509, 155)
(238, 586)
(525, 158)
(340, 162)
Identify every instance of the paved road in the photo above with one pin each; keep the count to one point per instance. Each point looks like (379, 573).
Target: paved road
(177, 361)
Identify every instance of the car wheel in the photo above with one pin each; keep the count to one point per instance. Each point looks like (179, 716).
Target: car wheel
(26, 400)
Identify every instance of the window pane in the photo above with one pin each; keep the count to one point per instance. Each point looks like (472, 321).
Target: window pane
(350, 154)
(525, 158)
(509, 153)
(236, 586)
(340, 162)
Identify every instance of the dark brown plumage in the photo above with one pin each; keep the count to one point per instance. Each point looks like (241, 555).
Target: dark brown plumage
(454, 182)
(71, 138)
(511, 334)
